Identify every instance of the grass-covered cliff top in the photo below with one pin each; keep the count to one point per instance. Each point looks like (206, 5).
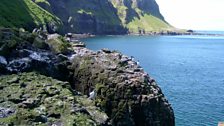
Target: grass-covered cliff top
(24, 13)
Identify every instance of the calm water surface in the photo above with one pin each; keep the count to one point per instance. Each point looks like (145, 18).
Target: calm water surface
(189, 69)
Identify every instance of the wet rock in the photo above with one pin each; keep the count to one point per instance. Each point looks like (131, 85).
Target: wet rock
(42, 57)
(19, 65)
(3, 61)
(5, 112)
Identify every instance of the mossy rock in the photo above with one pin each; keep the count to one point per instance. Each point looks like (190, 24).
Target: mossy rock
(40, 43)
(7, 46)
(58, 45)
(41, 100)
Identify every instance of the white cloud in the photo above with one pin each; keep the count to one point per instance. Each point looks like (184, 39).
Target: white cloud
(194, 14)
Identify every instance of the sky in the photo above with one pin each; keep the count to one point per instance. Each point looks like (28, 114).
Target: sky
(194, 14)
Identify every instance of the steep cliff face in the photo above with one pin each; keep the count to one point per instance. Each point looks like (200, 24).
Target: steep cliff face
(140, 15)
(132, 8)
(84, 16)
(109, 16)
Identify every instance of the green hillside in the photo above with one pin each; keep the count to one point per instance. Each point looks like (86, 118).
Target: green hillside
(84, 16)
(134, 18)
(24, 13)
(148, 23)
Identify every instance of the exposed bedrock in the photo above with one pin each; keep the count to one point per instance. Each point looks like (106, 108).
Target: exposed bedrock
(121, 88)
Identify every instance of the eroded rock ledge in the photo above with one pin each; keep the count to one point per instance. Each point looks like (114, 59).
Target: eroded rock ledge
(123, 90)
(119, 91)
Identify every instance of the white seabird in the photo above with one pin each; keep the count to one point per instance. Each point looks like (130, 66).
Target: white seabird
(92, 95)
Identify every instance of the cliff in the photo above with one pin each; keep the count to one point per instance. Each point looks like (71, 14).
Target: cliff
(84, 16)
(119, 91)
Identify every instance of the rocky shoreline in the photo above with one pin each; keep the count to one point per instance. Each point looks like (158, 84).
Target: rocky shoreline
(53, 82)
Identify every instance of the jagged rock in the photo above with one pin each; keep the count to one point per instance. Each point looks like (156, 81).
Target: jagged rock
(127, 94)
(6, 112)
(19, 65)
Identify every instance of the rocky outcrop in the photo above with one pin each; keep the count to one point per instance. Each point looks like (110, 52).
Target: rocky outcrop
(22, 51)
(123, 90)
(119, 91)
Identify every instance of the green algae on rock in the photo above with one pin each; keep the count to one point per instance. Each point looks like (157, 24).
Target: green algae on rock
(122, 88)
(34, 99)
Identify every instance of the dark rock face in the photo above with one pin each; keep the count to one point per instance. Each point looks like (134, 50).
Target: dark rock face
(95, 16)
(123, 90)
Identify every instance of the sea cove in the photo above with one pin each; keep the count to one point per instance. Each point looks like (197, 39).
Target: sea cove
(189, 69)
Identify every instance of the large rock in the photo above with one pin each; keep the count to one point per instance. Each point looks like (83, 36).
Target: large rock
(114, 83)
(123, 90)
(21, 51)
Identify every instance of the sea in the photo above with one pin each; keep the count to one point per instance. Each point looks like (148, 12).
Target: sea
(188, 68)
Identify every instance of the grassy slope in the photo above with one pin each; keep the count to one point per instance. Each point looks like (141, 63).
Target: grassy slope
(141, 21)
(24, 13)
(148, 23)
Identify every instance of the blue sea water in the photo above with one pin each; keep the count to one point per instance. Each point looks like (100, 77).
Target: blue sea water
(189, 69)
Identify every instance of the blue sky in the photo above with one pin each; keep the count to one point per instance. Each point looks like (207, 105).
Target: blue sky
(194, 14)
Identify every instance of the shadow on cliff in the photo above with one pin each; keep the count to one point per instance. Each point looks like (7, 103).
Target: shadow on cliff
(95, 16)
